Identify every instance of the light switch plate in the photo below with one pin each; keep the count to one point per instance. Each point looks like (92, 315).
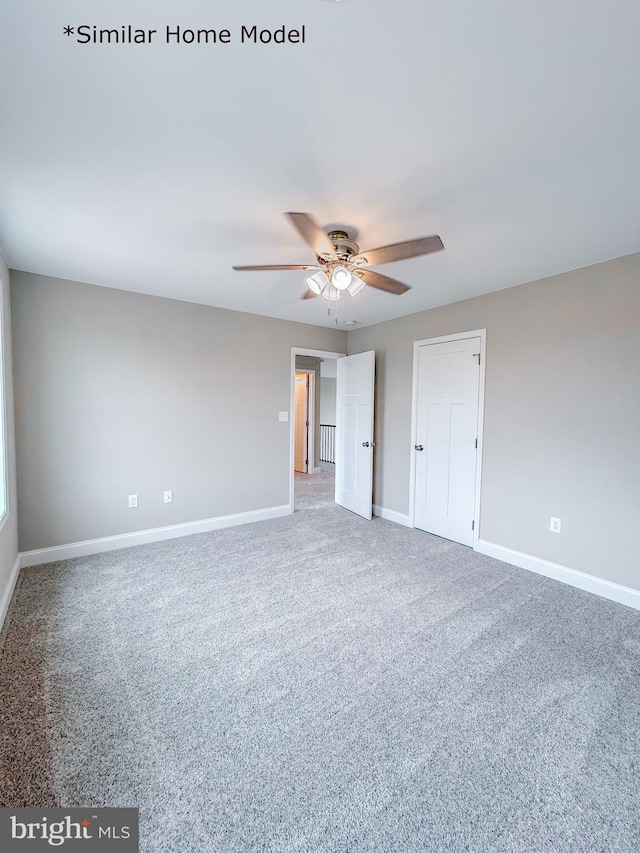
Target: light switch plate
(283, 416)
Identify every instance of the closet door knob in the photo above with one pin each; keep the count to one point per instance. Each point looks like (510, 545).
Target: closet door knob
(419, 447)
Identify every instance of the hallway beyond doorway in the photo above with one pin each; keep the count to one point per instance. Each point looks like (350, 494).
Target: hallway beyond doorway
(312, 491)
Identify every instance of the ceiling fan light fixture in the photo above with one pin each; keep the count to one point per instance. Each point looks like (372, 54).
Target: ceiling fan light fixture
(341, 278)
(318, 282)
(340, 261)
(356, 285)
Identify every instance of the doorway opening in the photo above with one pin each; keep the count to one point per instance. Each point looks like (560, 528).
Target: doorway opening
(313, 427)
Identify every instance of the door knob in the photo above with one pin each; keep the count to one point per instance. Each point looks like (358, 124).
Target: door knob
(365, 444)
(419, 447)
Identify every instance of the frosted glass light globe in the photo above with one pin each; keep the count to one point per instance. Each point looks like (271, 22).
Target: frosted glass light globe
(341, 278)
(331, 293)
(356, 285)
(317, 283)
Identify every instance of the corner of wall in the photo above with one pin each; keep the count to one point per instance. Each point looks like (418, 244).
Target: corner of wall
(9, 557)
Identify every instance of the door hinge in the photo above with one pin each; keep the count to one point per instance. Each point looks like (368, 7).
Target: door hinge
(307, 423)
(476, 443)
(477, 355)
(473, 525)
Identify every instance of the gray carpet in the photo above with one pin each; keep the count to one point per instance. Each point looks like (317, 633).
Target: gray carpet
(314, 491)
(323, 683)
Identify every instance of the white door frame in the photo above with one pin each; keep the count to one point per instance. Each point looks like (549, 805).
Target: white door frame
(311, 417)
(315, 353)
(476, 333)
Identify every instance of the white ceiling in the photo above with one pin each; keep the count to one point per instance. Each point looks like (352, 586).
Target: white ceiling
(509, 128)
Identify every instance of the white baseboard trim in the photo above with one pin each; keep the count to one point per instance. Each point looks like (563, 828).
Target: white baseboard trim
(7, 592)
(143, 537)
(391, 515)
(590, 583)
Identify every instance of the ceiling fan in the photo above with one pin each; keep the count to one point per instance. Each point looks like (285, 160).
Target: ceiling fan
(341, 266)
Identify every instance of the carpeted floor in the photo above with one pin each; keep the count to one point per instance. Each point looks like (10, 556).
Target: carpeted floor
(323, 683)
(314, 491)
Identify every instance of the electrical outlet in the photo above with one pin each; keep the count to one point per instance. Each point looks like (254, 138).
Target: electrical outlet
(133, 501)
(555, 525)
(168, 497)
(283, 416)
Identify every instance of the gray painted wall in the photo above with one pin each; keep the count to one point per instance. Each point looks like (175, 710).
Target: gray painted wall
(9, 531)
(120, 393)
(562, 414)
(328, 400)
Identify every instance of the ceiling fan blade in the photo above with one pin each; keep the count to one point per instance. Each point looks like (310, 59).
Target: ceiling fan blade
(311, 233)
(308, 294)
(383, 282)
(280, 267)
(399, 251)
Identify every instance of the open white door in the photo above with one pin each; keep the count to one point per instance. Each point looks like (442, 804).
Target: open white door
(354, 432)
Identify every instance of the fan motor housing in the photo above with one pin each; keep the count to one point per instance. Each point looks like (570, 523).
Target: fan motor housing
(344, 247)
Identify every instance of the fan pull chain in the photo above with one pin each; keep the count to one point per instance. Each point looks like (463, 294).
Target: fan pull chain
(335, 312)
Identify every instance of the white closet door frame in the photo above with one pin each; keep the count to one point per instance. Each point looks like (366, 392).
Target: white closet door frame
(476, 333)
